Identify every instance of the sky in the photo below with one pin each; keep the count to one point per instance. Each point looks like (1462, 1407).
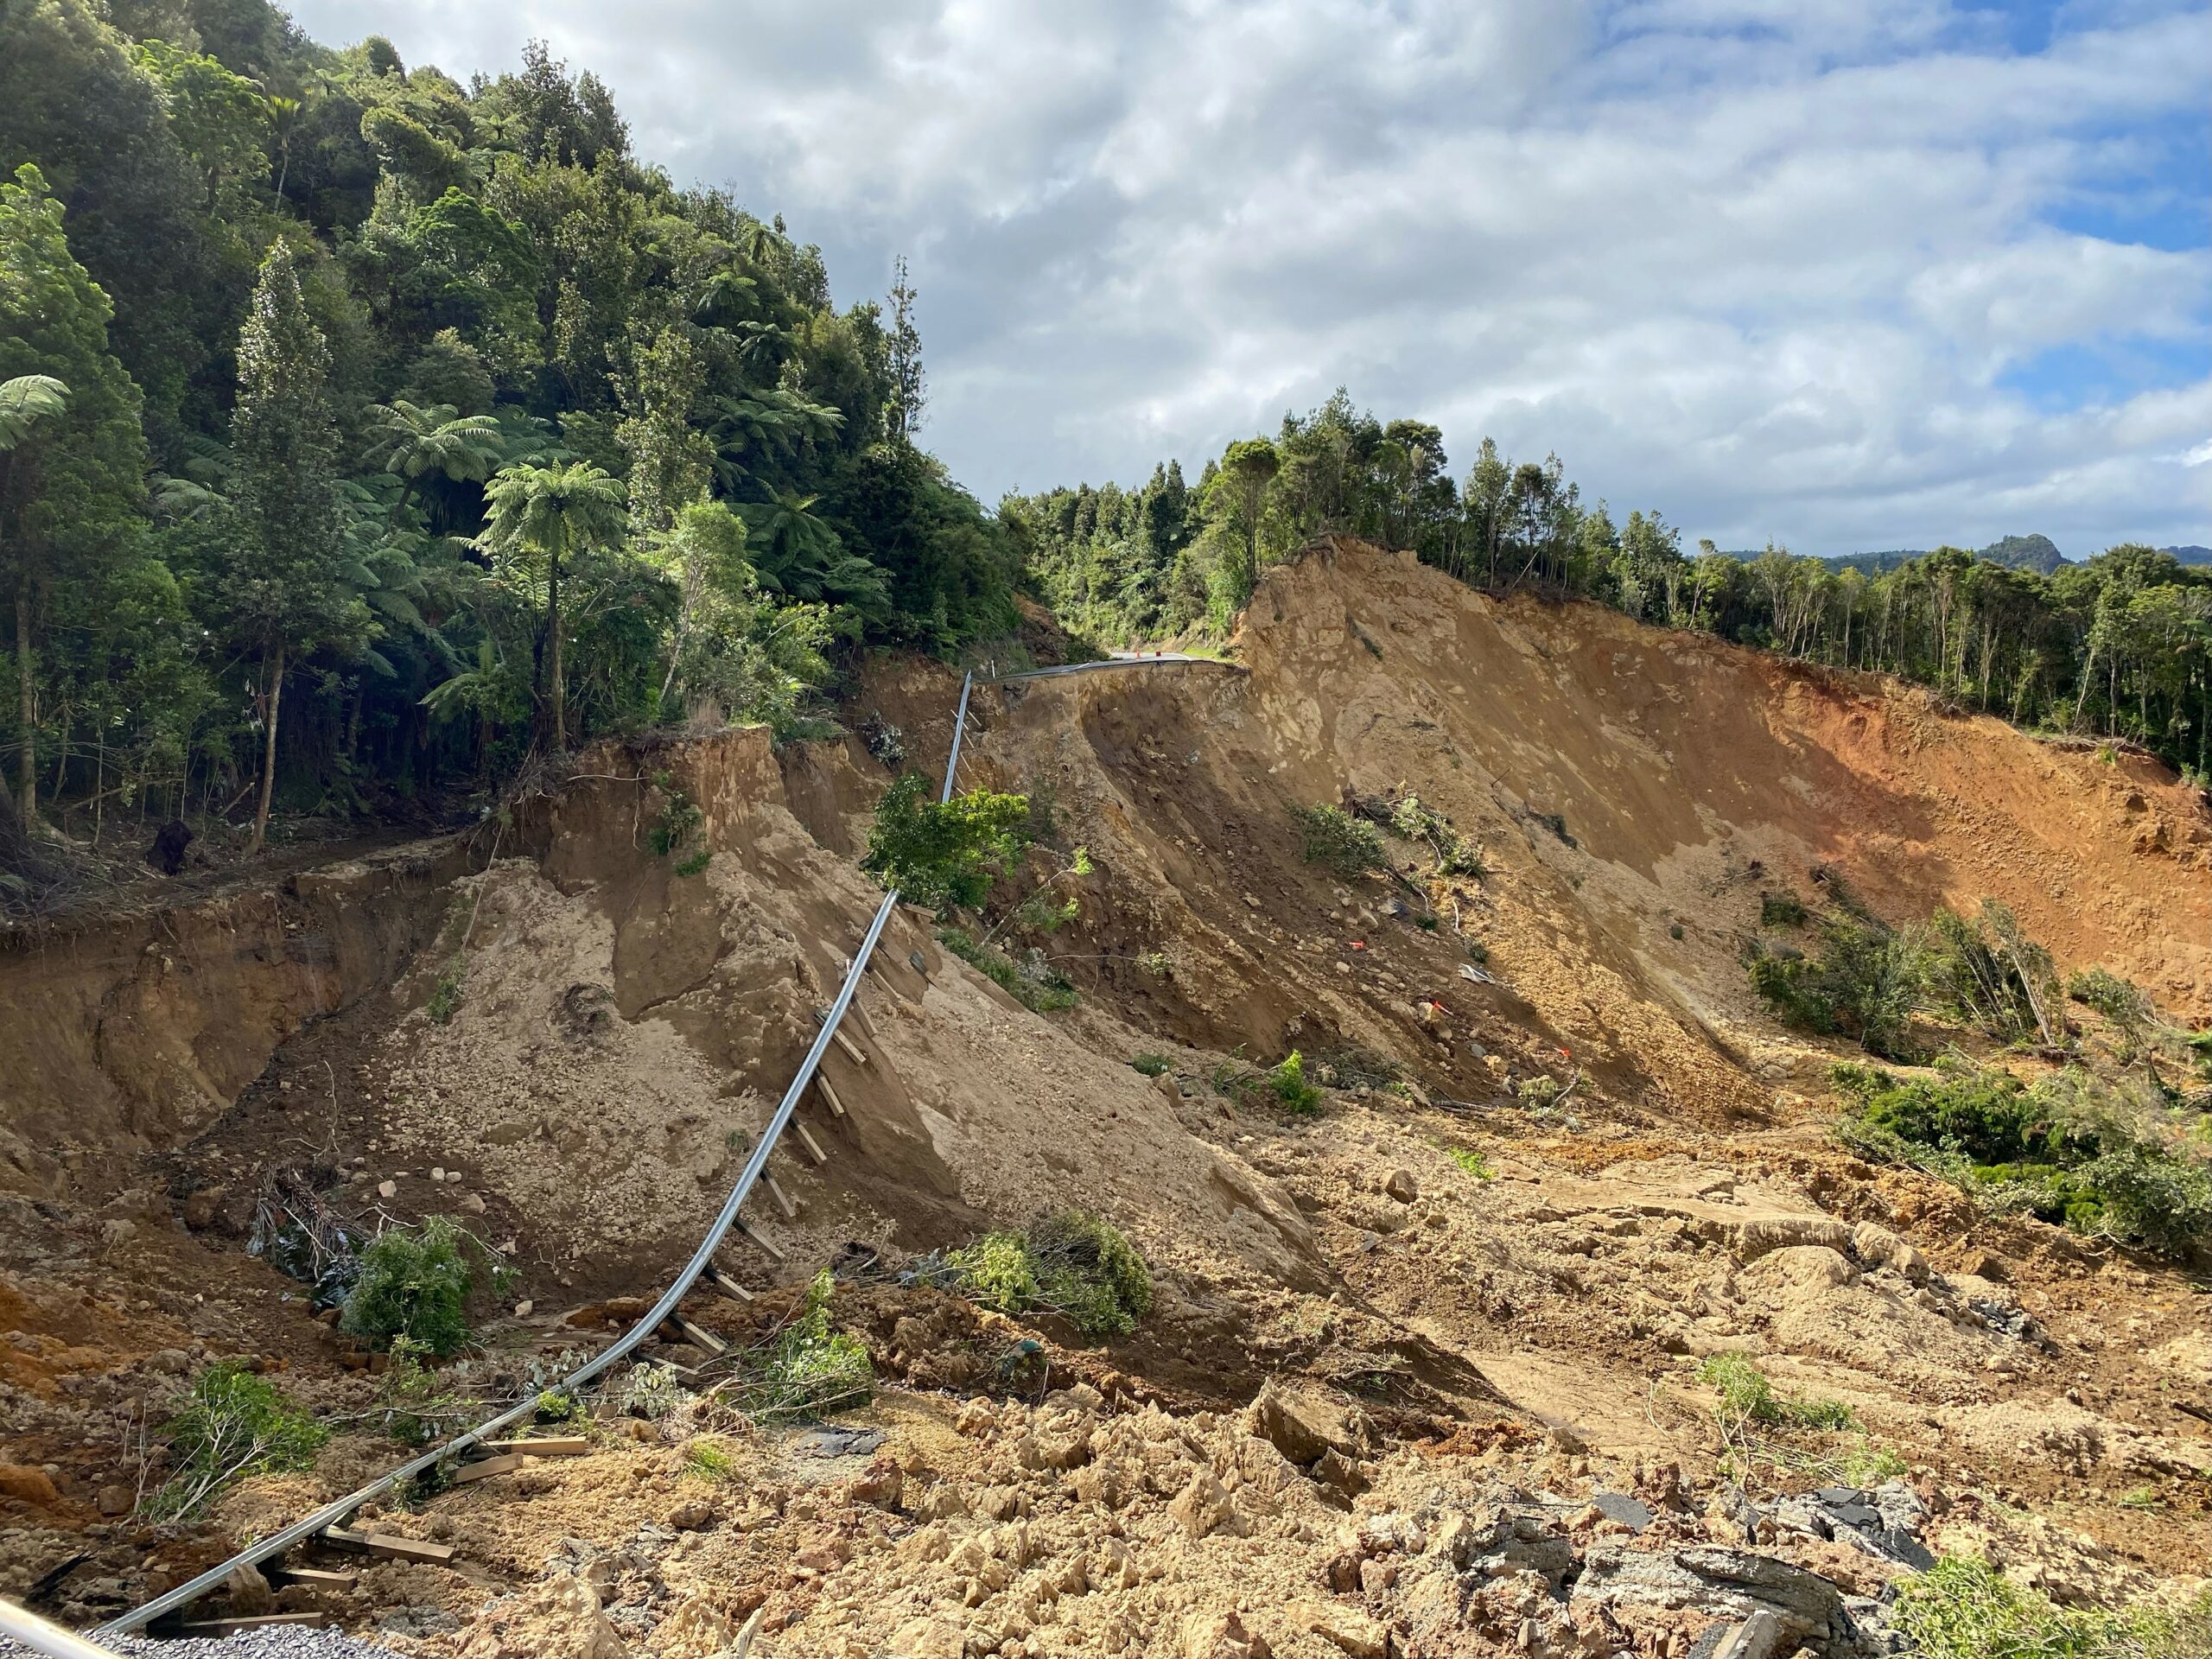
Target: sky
(1840, 274)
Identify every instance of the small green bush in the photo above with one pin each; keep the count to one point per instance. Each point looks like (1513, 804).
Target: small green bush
(651, 1391)
(556, 1407)
(1747, 1397)
(679, 821)
(695, 863)
(445, 995)
(997, 1271)
(813, 1368)
(1150, 1065)
(1474, 1163)
(2124, 1006)
(1333, 838)
(1782, 910)
(940, 855)
(1070, 1262)
(414, 1282)
(1287, 1082)
(416, 1400)
(1864, 983)
(232, 1424)
(1964, 1608)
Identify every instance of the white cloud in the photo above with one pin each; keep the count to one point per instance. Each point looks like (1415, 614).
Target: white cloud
(1766, 265)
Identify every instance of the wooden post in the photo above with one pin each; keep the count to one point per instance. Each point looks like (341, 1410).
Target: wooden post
(783, 1199)
(773, 1253)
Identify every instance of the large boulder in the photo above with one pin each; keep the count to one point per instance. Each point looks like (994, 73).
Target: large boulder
(1625, 1586)
(1306, 1424)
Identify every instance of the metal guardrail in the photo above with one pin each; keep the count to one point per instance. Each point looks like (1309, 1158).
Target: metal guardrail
(331, 1514)
(42, 1635)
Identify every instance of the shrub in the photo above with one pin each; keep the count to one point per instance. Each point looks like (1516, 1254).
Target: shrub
(1070, 1262)
(445, 995)
(997, 1271)
(1090, 1273)
(1287, 1082)
(1150, 1065)
(2123, 1004)
(679, 819)
(694, 864)
(943, 853)
(652, 1392)
(414, 1282)
(1865, 983)
(1333, 838)
(232, 1424)
(1985, 972)
(1473, 1162)
(555, 1407)
(1781, 909)
(1964, 1608)
(1747, 1397)
(2070, 1151)
(813, 1368)
(416, 1400)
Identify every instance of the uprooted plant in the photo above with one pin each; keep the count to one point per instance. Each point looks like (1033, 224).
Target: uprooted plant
(809, 1367)
(1070, 1263)
(231, 1424)
(415, 1283)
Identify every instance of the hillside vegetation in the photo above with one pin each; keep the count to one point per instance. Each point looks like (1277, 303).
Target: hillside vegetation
(364, 429)
(2119, 646)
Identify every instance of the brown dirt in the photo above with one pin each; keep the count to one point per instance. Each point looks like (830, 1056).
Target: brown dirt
(621, 1033)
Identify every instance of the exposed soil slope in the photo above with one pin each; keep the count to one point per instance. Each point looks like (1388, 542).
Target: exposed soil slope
(548, 1031)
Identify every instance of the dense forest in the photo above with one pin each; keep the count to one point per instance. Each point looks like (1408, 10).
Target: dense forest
(363, 431)
(2119, 646)
(363, 434)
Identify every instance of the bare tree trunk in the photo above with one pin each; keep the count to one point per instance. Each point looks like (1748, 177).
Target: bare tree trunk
(27, 682)
(274, 701)
(553, 619)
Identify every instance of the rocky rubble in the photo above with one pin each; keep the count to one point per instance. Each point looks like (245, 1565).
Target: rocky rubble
(1070, 1526)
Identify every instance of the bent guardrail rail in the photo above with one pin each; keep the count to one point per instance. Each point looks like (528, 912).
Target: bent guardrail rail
(331, 1514)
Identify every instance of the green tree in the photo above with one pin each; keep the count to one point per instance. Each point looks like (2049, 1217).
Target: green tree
(1247, 469)
(671, 460)
(539, 516)
(413, 443)
(908, 391)
(28, 402)
(285, 586)
(72, 455)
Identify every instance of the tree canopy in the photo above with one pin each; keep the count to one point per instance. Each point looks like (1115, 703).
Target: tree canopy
(409, 424)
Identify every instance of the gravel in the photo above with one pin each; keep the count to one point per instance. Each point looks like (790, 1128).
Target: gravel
(285, 1642)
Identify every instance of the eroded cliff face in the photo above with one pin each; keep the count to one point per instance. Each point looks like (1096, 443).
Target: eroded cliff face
(568, 1040)
(120, 1035)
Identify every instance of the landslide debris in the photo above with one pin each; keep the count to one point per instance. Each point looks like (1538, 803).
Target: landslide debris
(1456, 1173)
